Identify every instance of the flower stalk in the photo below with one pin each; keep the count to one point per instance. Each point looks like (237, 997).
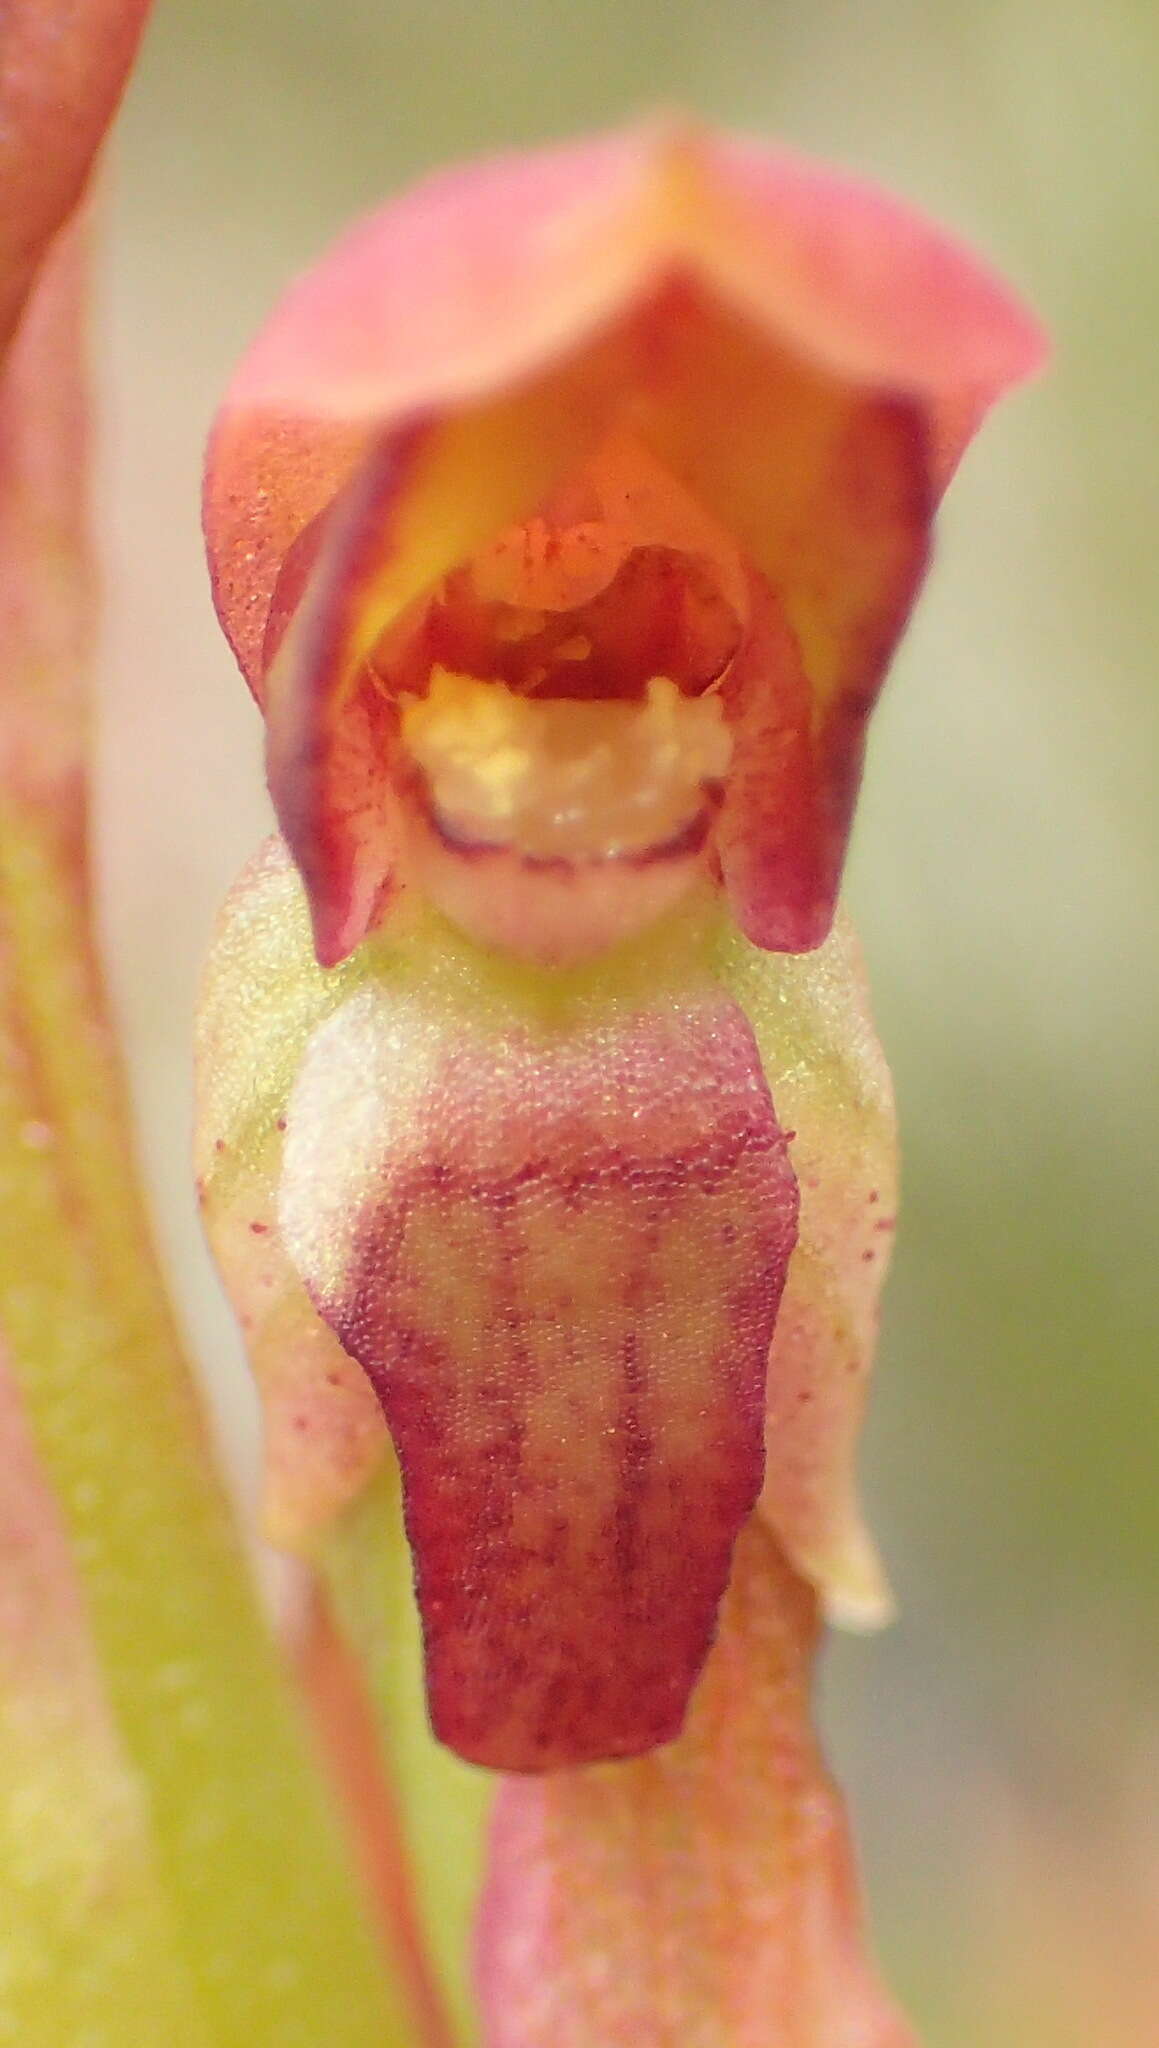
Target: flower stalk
(208, 1884)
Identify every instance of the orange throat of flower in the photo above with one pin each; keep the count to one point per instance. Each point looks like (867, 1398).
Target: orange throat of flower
(562, 741)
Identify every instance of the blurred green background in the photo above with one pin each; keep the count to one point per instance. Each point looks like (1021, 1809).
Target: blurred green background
(1001, 1745)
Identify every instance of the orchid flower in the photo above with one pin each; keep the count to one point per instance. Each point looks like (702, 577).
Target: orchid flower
(563, 520)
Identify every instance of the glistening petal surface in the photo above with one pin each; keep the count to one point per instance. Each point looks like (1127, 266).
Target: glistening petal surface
(262, 997)
(812, 1020)
(557, 1249)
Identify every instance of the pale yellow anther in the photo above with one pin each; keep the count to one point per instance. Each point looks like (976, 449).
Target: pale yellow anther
(565, 778)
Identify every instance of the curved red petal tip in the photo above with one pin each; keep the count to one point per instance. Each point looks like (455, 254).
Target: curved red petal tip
(328, 749)
(61, 74)
(559, 1259)
(484, 275)
(889, 297)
